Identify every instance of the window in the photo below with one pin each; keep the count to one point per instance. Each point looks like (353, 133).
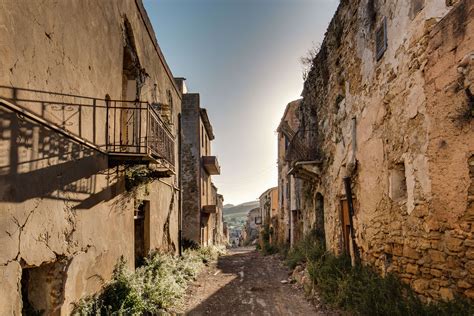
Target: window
(202, 136)
(381, 39)
(288, 193)
(142, 232)
(167, 109)
(398, 183)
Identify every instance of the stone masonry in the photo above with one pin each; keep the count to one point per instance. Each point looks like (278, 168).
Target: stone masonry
(389, 100)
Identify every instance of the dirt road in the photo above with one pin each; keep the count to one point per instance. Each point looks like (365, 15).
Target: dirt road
(246, 283)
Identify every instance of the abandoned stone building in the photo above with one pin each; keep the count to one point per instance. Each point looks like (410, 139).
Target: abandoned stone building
(217, 223)
(89, 137)
(386, 124)
(269, 211)
(225, 234)
(202, 206)
(252, 226)
(289, 187)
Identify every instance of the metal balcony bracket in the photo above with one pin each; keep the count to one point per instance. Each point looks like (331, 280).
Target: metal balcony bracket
(307, 170)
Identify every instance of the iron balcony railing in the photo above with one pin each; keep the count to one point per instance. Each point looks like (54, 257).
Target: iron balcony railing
(133, 130)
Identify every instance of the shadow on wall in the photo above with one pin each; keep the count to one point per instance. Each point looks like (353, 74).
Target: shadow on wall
(36, 161)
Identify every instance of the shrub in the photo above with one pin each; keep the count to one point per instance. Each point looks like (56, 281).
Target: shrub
(309, 249)
(154, 288)
(361, 289)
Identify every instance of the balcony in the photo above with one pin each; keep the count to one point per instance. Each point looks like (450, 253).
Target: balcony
(211, 165)
(209, 209)
(307, 170)
(135, 132)
(125, 131)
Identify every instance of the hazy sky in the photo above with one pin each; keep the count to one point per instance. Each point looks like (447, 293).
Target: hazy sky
(242, 56)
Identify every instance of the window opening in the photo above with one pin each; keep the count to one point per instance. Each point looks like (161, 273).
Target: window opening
(381, 39)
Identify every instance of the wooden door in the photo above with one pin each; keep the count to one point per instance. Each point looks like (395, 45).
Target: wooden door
(346, 226)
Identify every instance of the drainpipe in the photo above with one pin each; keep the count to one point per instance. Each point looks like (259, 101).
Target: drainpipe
(180, 193)
(347, 185)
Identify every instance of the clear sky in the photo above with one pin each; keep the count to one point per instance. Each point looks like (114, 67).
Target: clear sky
(242, 56)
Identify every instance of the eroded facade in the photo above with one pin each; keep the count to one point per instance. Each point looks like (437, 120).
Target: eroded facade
(202, 205)
(388, 103)
(89, 109)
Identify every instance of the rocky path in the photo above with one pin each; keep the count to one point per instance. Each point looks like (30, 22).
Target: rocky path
(246, 283)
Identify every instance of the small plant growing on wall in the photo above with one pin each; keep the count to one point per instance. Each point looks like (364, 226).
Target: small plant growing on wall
(137, 176)
(308, 59)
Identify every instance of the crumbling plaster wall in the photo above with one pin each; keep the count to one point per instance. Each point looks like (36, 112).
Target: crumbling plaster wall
(70, 203)
(400, 119)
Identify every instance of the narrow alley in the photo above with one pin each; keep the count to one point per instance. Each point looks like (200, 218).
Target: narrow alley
(244, 282)
(231, 157)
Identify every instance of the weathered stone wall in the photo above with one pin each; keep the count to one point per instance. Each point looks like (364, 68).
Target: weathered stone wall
(198, 190)
(269, 212)
(191, 168)
(60, 200)
(290, 117)
(251, 228)
(408, 152)
(221, 238)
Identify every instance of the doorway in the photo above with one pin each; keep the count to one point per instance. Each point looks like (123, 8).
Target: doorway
(130, 112)
(346, 226)
(296, 226)
(142, 232)
(319, 224)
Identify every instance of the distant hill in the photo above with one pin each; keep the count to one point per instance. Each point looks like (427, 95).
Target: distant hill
(240, 210)
(236, 215)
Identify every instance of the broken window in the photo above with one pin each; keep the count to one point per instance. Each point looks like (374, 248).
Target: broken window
(398, 182)
(381, 39)
(287, 143)
(42, 288)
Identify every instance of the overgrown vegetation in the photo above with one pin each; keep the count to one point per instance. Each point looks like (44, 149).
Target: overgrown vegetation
(307, 250)
(360, 289)
(307, 61)
(154, 288)
(139, 175)
(267, 248)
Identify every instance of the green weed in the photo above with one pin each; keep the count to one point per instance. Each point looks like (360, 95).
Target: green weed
(154, 288)
(361, 290)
